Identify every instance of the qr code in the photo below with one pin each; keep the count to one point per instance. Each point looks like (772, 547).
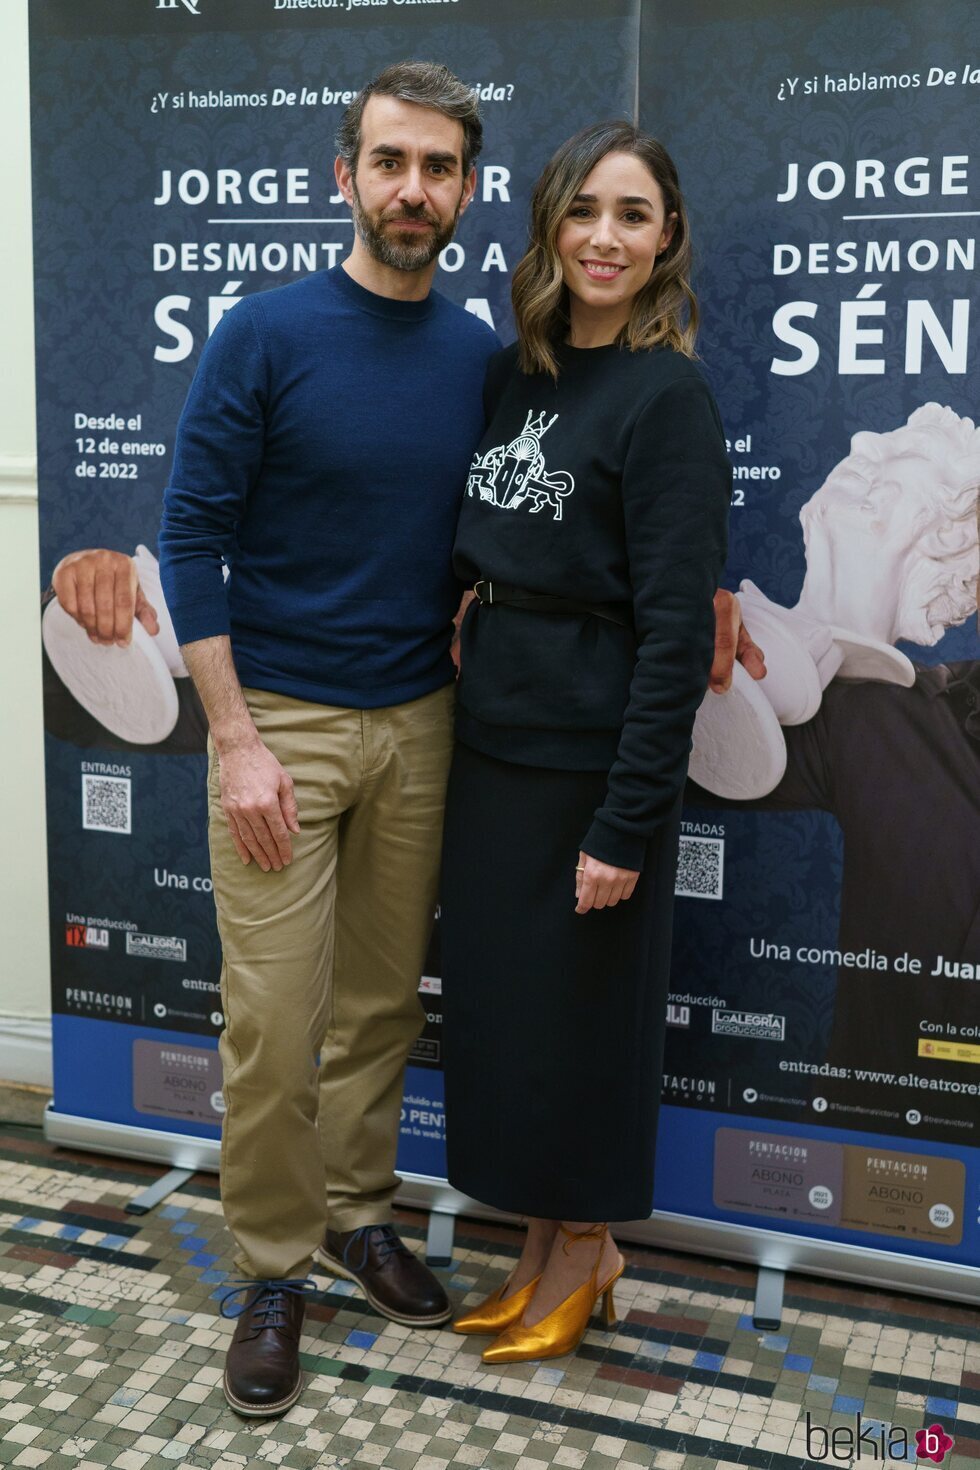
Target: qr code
(107, 804)
(700, 867)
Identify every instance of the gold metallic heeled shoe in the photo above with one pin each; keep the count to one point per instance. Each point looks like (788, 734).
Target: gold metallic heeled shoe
(562, 1330)
(497, 1312)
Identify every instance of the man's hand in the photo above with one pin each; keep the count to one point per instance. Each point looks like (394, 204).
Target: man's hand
(600, 886)
(732, 642)
(101, 591)
(461, 612)
(256, 793)
(259, 805)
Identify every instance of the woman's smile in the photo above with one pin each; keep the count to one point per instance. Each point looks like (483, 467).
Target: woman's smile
(602, 270)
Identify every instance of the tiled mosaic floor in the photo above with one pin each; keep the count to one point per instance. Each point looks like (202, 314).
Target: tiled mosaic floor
(111, 1353)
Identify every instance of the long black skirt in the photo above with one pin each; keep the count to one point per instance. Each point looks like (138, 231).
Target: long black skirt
(553, 1022)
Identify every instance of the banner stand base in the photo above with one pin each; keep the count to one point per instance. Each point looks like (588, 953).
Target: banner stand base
(152, 1145)
(768, 1249)
(767, 1313)
(439, 1241)
(143, 1203)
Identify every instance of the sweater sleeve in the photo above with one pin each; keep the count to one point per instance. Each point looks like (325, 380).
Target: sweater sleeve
(676, 493)
(217, 455)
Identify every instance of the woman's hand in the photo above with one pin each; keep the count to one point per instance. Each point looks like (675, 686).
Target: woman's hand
(599, 886)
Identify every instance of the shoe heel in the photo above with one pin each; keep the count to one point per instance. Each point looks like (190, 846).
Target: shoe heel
(609, 1307)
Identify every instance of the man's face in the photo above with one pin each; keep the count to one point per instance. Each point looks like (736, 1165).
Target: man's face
(408, 189)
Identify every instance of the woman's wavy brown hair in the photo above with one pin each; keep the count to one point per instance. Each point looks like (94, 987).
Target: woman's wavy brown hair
(665, 311)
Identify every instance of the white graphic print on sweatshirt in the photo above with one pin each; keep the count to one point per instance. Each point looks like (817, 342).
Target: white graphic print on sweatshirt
(512, 475)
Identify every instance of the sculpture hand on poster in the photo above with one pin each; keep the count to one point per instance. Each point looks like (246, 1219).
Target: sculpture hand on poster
(113, 673)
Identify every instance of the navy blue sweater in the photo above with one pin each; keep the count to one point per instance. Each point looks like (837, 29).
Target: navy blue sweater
(322, 454)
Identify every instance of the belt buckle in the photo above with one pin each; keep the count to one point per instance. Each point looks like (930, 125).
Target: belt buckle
(479, 595)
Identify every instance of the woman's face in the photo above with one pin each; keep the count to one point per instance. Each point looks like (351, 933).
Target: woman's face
(611, 236)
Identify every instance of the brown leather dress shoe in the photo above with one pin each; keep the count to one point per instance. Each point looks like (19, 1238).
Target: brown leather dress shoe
(396, 1283)
(262, 1373)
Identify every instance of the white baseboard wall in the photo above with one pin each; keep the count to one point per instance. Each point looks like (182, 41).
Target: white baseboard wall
(25, 1051)
(18, 479)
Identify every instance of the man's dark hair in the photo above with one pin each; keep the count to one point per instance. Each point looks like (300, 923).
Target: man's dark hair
(427, 84)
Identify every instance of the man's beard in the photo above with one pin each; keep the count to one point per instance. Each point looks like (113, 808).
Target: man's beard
(402, 253)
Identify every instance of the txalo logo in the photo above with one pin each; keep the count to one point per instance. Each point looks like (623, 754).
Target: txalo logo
(191, 5)
(875, 1441)
(85, 936)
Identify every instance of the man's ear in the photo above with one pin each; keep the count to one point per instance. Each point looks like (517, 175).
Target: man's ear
(469, 189)
(345, 179)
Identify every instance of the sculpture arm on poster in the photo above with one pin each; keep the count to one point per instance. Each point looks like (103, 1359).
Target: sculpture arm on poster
(891, 546)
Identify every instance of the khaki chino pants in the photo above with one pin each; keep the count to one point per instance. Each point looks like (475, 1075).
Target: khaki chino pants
(320, 975)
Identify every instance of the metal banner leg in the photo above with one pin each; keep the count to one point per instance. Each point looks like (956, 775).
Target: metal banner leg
(767, 1314)
(142, 1203)
(439, 1241)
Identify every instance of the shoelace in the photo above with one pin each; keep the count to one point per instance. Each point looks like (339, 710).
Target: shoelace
(388, 1243)
(265, 1299)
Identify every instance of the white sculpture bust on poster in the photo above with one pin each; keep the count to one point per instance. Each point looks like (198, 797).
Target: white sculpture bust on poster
(891, 546)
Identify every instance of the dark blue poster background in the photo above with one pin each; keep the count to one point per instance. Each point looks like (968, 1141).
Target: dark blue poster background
(183, 157)
(823, 1061)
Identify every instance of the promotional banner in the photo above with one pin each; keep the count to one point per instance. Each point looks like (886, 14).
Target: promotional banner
(822, 1073)
(182, 158)
(823, 1061)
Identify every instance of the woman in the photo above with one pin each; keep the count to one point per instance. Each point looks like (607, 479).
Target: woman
(594, 531)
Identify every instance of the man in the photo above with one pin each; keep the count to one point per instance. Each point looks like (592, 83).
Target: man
(321, 455)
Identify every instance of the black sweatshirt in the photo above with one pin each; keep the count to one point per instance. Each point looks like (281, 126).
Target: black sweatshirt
(611, 486)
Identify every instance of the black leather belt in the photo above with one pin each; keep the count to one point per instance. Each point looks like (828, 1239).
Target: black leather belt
(488, 593)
